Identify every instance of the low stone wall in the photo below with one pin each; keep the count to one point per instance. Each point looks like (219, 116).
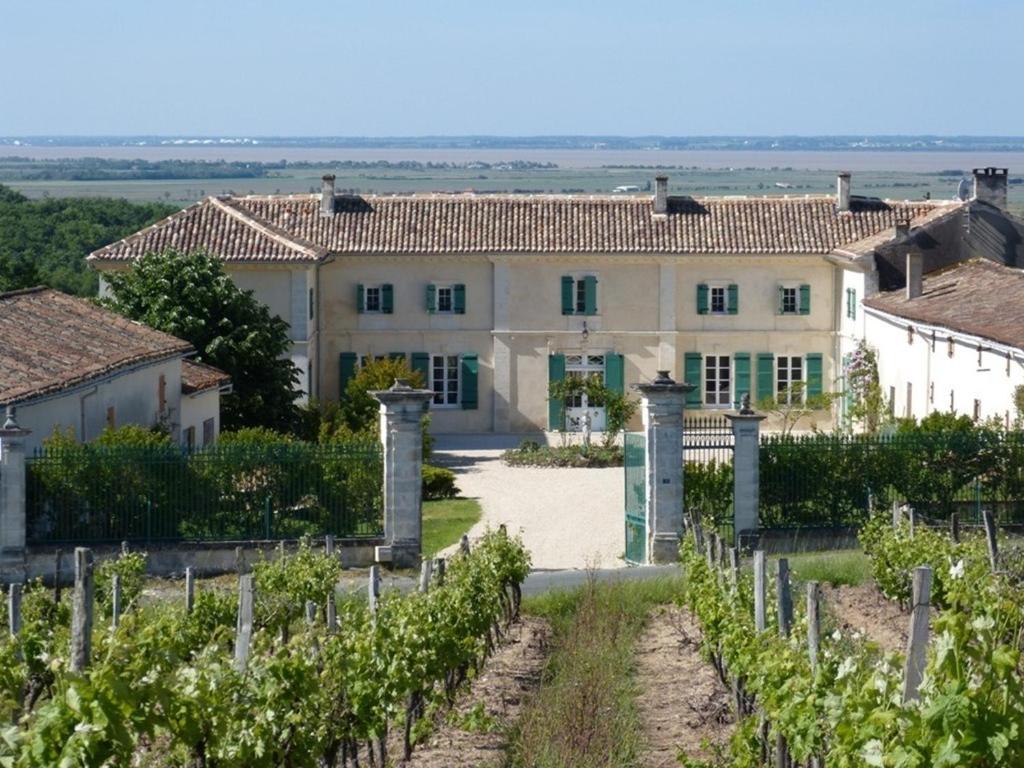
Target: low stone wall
(777, 541)
(206, 558)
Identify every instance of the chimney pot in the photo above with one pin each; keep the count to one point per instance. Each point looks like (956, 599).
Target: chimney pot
(902, 228)
(990, 186)
(661, 194)
(843, 191)
(914, 275)
(327, 195)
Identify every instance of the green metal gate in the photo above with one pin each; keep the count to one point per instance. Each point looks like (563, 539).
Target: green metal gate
(635, 463)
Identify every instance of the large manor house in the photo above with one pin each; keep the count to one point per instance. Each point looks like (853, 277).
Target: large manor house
(492, 297)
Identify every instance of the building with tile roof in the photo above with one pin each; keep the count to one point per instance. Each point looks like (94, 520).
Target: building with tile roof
(67, 363)
(491, 297)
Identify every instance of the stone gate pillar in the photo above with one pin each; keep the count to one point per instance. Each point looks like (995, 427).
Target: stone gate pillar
(662, 403)
(12, 499)
(746, 427)
(401, 413)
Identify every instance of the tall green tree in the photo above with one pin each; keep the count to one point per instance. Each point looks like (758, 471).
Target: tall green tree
(189, 295)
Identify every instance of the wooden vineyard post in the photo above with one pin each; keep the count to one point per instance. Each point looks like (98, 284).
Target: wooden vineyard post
(760, 585)
(426, 570)
(464, 544)
(115, 600)
(813, 623)
(912, 516)
(14, 609)
(896, 514)
(716, 549)
(329, 545)
(81, 611)
(243, 628)
(239, 561)
(373, 589)
(57, 575)
(990, 539)
(734, 567)
(954, 527)
(784, 597)
(332, 614)
(190, 590)
(439, 567)
(709, 552)
(917, 642)
(310, 612)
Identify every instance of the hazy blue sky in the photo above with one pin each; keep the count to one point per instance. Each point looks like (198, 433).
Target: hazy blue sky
(388, 67)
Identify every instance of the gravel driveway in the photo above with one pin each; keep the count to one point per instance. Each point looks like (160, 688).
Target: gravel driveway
(569, 518)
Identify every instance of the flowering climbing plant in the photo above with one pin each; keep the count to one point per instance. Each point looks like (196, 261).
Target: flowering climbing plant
(867, 404)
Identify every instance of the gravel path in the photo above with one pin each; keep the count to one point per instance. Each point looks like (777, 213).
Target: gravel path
(569, 518)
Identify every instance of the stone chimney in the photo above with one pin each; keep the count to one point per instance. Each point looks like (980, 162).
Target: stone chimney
(661, 194)
(327, 195)
(914, 275)
(902, 228)
(843, 191)
(990, 186)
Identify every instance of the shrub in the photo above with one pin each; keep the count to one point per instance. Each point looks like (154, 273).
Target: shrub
(565, 456)
(131, 567)
(438, 483)
(528, 446)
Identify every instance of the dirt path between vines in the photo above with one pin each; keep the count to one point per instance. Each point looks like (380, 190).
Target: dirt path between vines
(865, 609)
(508, 679)
(682, 702)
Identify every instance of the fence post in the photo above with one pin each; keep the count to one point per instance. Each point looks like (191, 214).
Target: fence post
(426, 570)
(990, 539)
(243, 627)
(440, 571)
(954, 527)
(760, 585)
(12, 499)
(813, 622)
(746, 428)
(917, 642)
(190, 589)
(784, 597)
(115, 600)
(464, 544)
(81, 610)
(662, 403)
(14, 609)
(57, 576)
(329, 545)
(401, 434)
(734, 567)
(332, 614)
(373, 590)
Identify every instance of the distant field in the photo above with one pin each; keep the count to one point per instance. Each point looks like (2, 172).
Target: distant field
(392, 180)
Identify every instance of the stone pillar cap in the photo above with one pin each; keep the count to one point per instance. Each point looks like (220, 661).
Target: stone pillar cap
(10, 427)
(663, 383)
(400, 391)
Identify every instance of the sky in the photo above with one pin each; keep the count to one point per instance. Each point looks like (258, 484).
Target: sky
(529, 67)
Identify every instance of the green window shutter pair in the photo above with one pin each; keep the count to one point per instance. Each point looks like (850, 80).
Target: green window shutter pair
(431, 299)
(568, 300)
(346, 370)
(556, 372)
(470, 373)
(814, 375)
(360, 298)
(693, 363)
(805, 299)
(741, 368)
(702, 299)
(421, 364)
(459, 300)
(615, 373)
(734, 299)
(765, 376)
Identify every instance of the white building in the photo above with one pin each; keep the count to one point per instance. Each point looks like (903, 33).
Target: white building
(66, 363)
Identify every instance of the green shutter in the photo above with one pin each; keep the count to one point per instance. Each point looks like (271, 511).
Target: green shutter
(387, 298)
(590, 295)
(805, 299)
(459, 299)
(556, 372)
(741, 376)
(693, 366)
(360, 299)
(702, 299)
(780, 308)
(614, 373)
(568, 305)
(814, 388)
(765, 376)
(431, 299)
(346, 370)
(470, 372)
(421, 363)
(734, 298)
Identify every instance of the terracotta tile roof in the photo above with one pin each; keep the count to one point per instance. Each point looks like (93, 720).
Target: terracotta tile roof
(978, 297)
(52, 341)
(290, 228)
(867, 245)
(199, 377)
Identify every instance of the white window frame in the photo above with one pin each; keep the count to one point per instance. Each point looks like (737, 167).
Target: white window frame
(789, 368)
(720, 291)
(585, 366)
(449, 288)
(714, 395)
(446, 390)
(795, 288)
(366, 299)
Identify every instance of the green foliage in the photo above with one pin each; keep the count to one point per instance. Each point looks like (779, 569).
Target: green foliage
(438, 483)
(190, 296)
(563, 456)
(1018, 403)
(359, 412)
(46, 241)
(867, 404)
(619, 409)
(793, 403)
(131, 567)
(708, 488)
(285, 583)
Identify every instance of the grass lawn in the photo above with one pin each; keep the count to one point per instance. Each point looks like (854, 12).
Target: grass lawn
(445, 520)
(841, 567)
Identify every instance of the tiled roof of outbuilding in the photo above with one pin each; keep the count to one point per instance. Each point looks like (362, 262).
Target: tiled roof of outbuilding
(290, 228)
(199, 377)
(977, 297)
(52, 341)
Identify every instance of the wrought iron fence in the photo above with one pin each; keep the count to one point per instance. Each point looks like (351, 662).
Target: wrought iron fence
(164, 493)
(833, 480)
(707, 438)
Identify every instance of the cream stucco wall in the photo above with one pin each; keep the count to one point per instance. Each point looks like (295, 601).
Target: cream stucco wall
(196, 409)
(940, 381)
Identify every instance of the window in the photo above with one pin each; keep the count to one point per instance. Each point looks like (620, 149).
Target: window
(718, 305)
(717, 381)
(851, 303)
(444, 379)
(579, 295)
(372, 298)
(369, 299)
(790, 304)
(794, 300)
(977, 410)
(190, 438)
(445, 300)
(789, 375)
(209, 430)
